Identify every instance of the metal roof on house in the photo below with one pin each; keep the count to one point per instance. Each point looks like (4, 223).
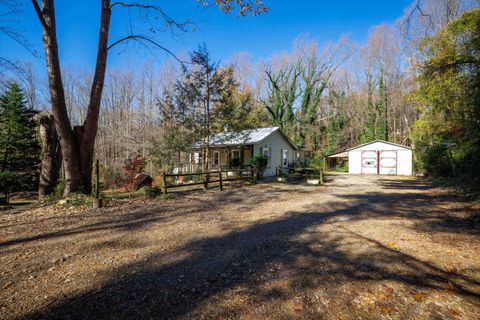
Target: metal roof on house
(382, 141)
(243, 137)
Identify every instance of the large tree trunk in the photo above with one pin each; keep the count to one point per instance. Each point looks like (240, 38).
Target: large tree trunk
(77, 145)
(51, 156)
(90, 127)
(57, 96)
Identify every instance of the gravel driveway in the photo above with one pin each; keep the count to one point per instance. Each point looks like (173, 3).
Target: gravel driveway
(360, 247)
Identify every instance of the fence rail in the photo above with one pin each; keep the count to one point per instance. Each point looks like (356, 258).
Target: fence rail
(240, 174)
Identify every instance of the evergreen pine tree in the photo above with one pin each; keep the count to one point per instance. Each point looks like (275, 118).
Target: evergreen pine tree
(19, 148)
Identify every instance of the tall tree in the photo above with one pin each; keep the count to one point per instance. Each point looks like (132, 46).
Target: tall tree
(381, 122)
(448, 129)
(237, 110)
(19, 148)
(315, 79)
(203, 85)
(77, 143)
(282, 92)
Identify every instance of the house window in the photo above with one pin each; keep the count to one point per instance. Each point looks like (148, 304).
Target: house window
(197, 158)
(266, 153)
(236, 154)
(285, 158)
(216, 158)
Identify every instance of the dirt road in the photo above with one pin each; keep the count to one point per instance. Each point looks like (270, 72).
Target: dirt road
(361, 247)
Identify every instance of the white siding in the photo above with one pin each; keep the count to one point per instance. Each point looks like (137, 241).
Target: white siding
(388, 155)
(354, 162)
(405, 158)
(276, 143)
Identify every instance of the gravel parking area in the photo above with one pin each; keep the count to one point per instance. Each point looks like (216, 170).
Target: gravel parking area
(359, 247)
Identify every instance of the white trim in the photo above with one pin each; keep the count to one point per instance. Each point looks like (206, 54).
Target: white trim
(382, 141)
(284, 157)
(268, 155)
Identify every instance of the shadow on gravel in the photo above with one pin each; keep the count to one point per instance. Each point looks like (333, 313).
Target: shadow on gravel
(465, 219)
(135, 216)
(418, 184)
(214, 265)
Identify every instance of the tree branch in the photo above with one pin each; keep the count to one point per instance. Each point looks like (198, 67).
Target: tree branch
(39, 13)
(255, 7)
(419, 8)
(143, 38)
(432, 69)
(18, 38)
(170, 21)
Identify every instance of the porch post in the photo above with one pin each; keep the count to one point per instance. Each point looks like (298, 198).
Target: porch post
(242, 156)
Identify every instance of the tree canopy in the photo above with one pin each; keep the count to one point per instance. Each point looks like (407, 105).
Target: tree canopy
(449, 124)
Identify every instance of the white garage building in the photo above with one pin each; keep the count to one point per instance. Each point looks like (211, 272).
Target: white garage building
(380, 157)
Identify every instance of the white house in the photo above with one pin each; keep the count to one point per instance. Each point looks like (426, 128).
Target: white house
(380, 157)
(244, 145)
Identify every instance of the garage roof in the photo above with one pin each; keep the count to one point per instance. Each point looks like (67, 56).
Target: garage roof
(382, 141)
(343, 154)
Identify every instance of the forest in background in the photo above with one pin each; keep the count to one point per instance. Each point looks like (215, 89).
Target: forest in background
(414, 82)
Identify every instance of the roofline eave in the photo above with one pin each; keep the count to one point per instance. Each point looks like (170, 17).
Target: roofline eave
(378, 140)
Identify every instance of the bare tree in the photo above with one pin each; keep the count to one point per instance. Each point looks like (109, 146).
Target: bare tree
(77, 143)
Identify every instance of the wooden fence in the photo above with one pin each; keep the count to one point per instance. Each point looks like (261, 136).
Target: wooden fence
(206, 177)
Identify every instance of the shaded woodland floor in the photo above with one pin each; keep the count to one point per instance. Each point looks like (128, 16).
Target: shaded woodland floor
(358, 247)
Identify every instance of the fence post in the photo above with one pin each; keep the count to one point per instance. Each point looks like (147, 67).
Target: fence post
(254, 175)
(97, 176)
(276, 171)
(97, 202)
(164, 183)
(221, 181)
(205, 180)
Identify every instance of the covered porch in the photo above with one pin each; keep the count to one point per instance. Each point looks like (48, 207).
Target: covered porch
(337, 161)
(225, 157)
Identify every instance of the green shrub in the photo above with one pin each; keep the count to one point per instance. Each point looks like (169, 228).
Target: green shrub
(436, 161)
(235, 163)
(78, 199)
(152, 192)
(260, 163)
(316, 162)
(59, 189)
(342, 168)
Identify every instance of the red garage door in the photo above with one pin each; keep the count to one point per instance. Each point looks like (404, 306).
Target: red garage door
(379, 162)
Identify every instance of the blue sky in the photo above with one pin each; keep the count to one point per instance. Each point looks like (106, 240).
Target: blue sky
(261, 36)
